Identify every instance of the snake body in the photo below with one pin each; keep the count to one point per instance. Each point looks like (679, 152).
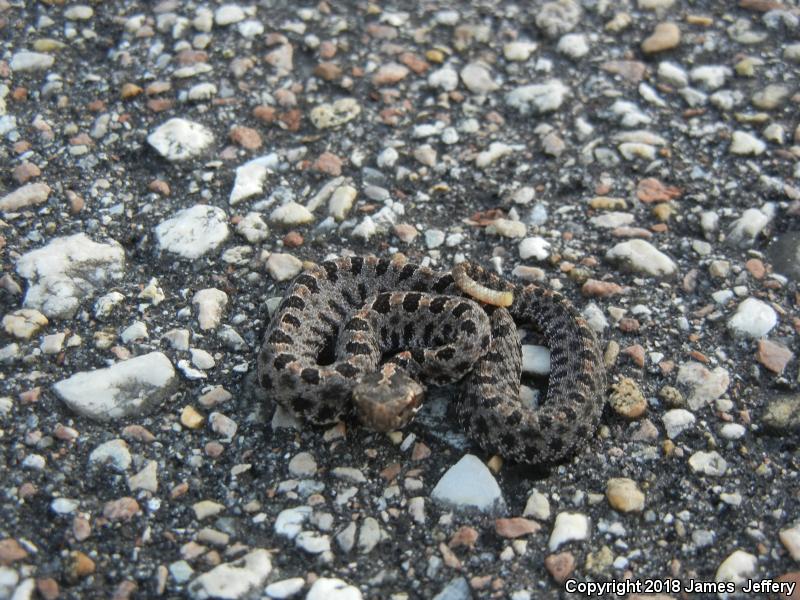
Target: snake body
(360, 333)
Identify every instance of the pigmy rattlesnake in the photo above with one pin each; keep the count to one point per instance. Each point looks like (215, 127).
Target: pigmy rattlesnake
(363, 332)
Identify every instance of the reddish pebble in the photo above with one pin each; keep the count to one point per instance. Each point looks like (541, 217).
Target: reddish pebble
(699, 356)
(466, 536)
(124, 590)
(628, 325)
(756, 268)
(390, 472)
(327, 50)
(122, 509)
(515, 527)
(159, 104)
(246, 137)
(81, 528)
(420, 452)
(290, 120)
(603, 289)
(26, 171)
(11, 551)
(264, 113)
(47, 587)
(773, 356)
(636, 352)
(21, 147)
(76, 203)
(30, 396)
(20, 94)
(26, 490)
(652, 190)
(159, 186)
(414, 62)
(390, 74)
(214, 449)
(137, 433)
(293, 239)
(329, 163)
(328, 71)
(560, 566)
(179, 490)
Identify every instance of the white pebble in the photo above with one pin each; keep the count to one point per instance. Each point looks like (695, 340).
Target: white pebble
(568, 527)
(754, 318)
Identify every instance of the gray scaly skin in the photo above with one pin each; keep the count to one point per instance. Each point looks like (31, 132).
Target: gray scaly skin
(338, 319)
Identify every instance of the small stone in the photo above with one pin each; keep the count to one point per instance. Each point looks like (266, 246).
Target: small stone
(478, 78)
(770, 97)
(738, 568)
(114, 454)
(341, 201)
(676, 421)
(179, 139)
(754, 318)
(708, 463)
(253, 228)
(642, 257)
(31, 194)
(469, 484)
(68, 270)
(560, 566)
(624, 495)
(627, 399)
(282, 267)
(568, 527)
(329, 164)
(515, 527)
(326, 116)
(30, 61)
(302, 465)
(602, 289)
(251, 176)
(285, 588)
(744, 143)
(574, 45)
(558, 17)
(194, 231)
(146, 479)
(790, 538)
(665, 36)
(210, 303)
(744, 231)
(11, 551)
(24, 323)
(134, 386)
(534, 247)
(710, 77)
(228, 14)
(389, 74)
(236, 579)
(732, 431)
(122, 509)
(78, 566)
(246, 137)
(782, 414)
(291, 214)
(537, 506)
(507, 228)
(705, 386)
(519, 50)
(773, 356)
(538, 98)
(206, 508)
(190, 418)
(326, 588)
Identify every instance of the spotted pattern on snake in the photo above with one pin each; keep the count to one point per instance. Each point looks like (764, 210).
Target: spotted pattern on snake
(347, 325)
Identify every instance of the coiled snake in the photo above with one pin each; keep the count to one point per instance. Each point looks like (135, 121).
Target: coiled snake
(363, 332)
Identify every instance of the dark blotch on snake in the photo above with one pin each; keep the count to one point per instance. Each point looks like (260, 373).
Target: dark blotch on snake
(279, 337)
(406, 272)
(283, 359)
(346, 370)
(357, 324)
(381, 304)
(437, 305)
(290, 319)
(357, 348)
(411, 302)
(356, 262)
(310, 376)
(308, 281)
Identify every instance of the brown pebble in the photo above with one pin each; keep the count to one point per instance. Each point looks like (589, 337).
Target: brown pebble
(327, 49)
(26, 171)
(21, 147)
(479, 583)
(515, 527)
(293, 239)
(11, 551)
(414, 62)
(179, 490)
(30, 396)
(652, 190)
(465, 536)
(405, 232)
(79, 566)
(628, 325)
(47, 587)
(158, 87)
(81, 528)
(389, 74)
(449, 557)
(19, 94)
(158, 105)
(666, 366)
(137, 433)
(122, 509)
(632, 70)
(246, 137)
(756, 268)
(665, 36)
(328, 163)
(124, 590)
(285, 97)
(790, 577)
(130, 90)
(773, 356)
(214, 449)
(636, 352)
(265, 113)
(603, 289)
(328, 71)
(64, 433)
(27, 490)
(420, 452)
(390, 472)
(159, 186)
(560, 566)
(699, 356)
(76, 202)
(632, 232)
(290, 120)
(627, 399)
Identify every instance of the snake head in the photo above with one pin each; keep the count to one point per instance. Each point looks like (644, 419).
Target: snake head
(388, 399)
